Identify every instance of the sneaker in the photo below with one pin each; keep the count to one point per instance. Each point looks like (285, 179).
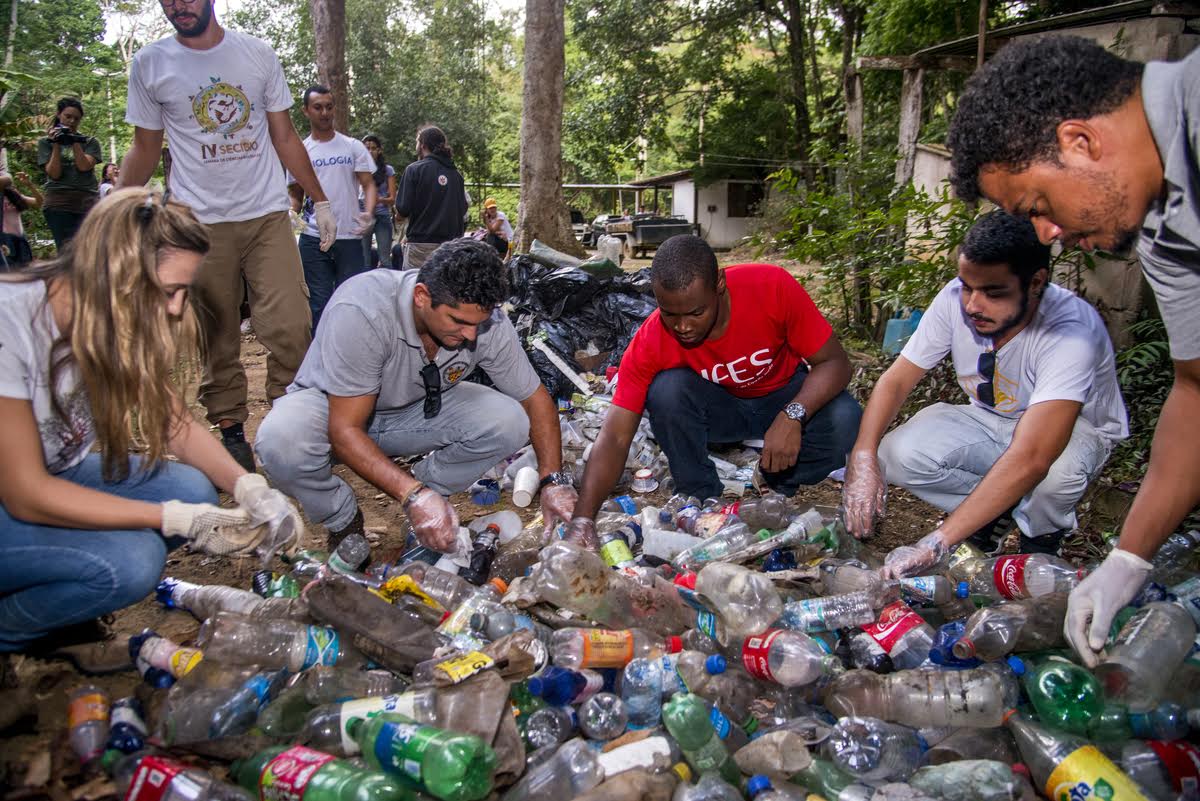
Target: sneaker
(355, 526)
(990, 538)
(1045, 543)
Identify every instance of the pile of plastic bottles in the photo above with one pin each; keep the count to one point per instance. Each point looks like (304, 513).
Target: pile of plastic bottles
(748, 651)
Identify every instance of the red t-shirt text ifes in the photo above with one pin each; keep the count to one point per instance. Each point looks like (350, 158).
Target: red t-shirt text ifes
(773, 326)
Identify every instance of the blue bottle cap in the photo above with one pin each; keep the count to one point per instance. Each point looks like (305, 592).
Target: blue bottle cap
(758, 784)
(963, 590)
(715, 664)
(536, 685)
(1017, 665)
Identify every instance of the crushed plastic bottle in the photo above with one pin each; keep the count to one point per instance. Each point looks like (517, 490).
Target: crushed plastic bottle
(744, 600)
(1149, 648)
(571, 771)
(977, 697)
(641, 690)
(234, 639)
(603, 717)
(1032, 624)
(787, 657)
(903, 634)
(874, 750)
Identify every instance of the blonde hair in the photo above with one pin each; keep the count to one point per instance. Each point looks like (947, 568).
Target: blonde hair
(129, 350)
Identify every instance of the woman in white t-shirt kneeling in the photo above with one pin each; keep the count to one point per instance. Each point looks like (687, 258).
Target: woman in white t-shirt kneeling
(89, 344)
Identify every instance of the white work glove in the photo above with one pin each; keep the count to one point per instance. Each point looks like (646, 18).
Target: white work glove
(433, 519)
(365, 221)
(558, 503)
(864, 494)
(212, 529)
(326, 224)
(916, 559)
(269, 507)
(1097, 600)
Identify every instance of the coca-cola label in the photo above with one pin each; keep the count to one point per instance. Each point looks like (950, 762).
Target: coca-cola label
(732, 509)
(894, 622)
(754, 654)
(1008, 574)
(286, 777)
(152, 777)
(1181, 759)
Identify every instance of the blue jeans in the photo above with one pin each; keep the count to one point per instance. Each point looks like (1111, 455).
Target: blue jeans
(53, 577)
(687, 413)
(383, 240)
(324, 271)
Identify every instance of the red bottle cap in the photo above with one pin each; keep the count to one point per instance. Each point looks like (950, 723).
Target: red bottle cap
(686, 580)
(674, 644)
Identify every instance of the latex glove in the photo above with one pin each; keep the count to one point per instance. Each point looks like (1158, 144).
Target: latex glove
(581, 531)
(365, 221)
(326, 224)
(433, 520)
(212, 529)
(269, 507)
(558, 503)
(916, 559)
(1097, 600)
(864, 495)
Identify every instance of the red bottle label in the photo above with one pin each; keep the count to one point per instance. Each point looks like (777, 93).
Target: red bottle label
(286, 776)
(754, 654)
(894, 622)
(1008, 574)
(1182, 760)
(732, 509)
(152, 778)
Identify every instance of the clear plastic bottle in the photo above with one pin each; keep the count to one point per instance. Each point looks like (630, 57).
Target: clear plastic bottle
(903, 633)
(858, 650)
(840, 577)
(687, 719)
(666, 545)
(745, 600)
(642, 690)
(1162, 768)
(732, 537)
(87, 720)
(603, 717)
(234, 639)
(874, 750)
(218, 704)
(1177, 548)
(760, 788)
(1149, 648)
(602, 648)
(931, 591)
(711, 678)
(298, 772)
(832, 612)
(977, 697)
(569, 773)
(787, 657)
(350, 555)
(624, 505)
(674, 506)
(709, 787)
(550, 725)
(448, 589)
(483, 598)
(1059, 762)
(1026, 575)
(1187, 595)
(1031, 624)
(150, 777)
(770, 511)
(205, 601)
(483, 553)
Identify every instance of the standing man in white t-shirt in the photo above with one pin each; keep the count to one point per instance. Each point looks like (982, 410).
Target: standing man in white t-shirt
(222, 98)
(343, 166)
(1045, 408)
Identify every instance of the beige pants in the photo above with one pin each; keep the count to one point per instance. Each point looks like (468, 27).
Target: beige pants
(264, 251)
(417, 253)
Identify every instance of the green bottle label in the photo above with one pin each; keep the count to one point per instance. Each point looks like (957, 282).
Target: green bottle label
(322, 647)
(400, 747)
(286, 777)
(710, 756)
(616, 551)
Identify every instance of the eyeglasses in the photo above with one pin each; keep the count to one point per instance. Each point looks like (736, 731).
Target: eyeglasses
(432, 380)
(986, 392)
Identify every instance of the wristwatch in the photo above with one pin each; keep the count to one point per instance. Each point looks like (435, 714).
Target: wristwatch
(797, 412)
(559, 478)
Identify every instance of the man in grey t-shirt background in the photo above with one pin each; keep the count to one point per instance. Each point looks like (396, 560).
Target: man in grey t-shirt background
(385, 377)
(1102, 152)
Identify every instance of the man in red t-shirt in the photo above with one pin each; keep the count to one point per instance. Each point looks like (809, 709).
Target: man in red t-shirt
(729, 355)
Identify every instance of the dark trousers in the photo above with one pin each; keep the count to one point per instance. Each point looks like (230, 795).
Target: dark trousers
(687, 413)
(325, 271)
(63, 224)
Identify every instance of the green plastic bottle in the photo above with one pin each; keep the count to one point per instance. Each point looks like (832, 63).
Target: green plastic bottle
(687, 719)
(1066, 696)
(287, 774)
(827, 779)
(447, 764)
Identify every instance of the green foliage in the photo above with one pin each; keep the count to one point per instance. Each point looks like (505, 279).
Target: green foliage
(1146, 373)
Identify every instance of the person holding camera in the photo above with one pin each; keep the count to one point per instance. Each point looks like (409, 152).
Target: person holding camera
(69, 159)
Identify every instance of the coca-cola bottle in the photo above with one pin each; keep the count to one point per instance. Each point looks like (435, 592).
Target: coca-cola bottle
(903, 633)
(1025, 575)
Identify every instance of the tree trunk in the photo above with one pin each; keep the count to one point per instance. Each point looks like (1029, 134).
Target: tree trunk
(542, 214)
(802, 125)
(329, 31)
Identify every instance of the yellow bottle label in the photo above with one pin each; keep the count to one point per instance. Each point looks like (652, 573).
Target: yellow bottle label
(396, 586)
(184, 660)
(615, 552)
(461, 668)
(1088, 774)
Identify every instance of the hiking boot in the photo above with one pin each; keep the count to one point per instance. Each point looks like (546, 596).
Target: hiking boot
(355, 526)
(1045, 543)
(89, 646)
(990, 538)
(234, 440)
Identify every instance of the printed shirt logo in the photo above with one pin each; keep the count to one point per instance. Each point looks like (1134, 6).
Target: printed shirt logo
(442, 181)
(741, 371)
(221, 108)
(454, 371)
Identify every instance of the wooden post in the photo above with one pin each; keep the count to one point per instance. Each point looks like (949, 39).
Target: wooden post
(910, 123)
(854, 108)
(981, 42)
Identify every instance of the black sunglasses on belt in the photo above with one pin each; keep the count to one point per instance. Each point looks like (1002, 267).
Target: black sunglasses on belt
(432, 381)
(986, 392)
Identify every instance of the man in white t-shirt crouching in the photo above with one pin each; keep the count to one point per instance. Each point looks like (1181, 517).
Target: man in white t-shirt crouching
(1044, 406)
(222, 99)
(343, 166)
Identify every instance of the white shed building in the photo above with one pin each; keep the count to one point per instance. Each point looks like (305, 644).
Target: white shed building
(722, 209)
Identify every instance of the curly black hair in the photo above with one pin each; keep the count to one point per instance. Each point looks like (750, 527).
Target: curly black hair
(1000, 238)
(1009, 112)
(465, 271)
(681, 260)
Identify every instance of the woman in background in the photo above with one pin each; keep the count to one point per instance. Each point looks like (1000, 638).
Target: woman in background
(385, 186)
(69, 160)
